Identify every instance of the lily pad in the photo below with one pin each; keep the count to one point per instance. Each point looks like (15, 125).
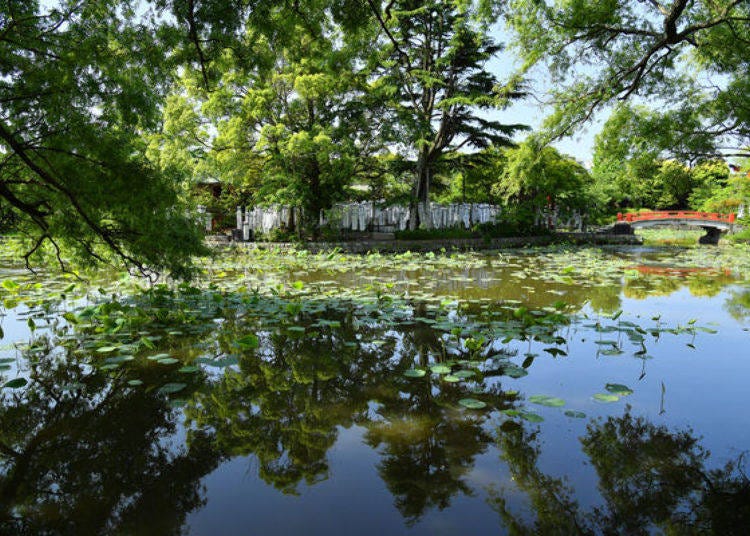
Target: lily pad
(451, 378)
(440, 369)
(463, 374)
(514, 371)
(544, 400)
(472, 403)
(415, 373)
(618, 389)
(16, 383)
(169, 388)
(531, 416)
(575, 414)
(603, 397)
(248, 341)
(168, 361)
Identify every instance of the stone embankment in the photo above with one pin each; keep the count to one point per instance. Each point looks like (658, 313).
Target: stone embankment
(463, 244)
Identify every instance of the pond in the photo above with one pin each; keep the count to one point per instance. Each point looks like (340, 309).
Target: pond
(537, 391)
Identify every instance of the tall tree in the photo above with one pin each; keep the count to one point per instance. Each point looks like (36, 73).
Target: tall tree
(294, 126)
(691, 56)
(431, 70)
(79, 84)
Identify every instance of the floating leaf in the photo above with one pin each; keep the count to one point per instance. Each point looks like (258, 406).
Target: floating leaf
(168, 361)
(106, 349)
(463, 374)
(414, 373)
(575, 414)
(602, 397)
(544, 400)
(531, 416)
(169, 388)
(514, 371)
(248, 341)
(618, 389)
(16, 383)
(188, 369)
(451, 378)
(440, 369)
(555, 351)
(157, 357)
(135, 383)
(472, 403)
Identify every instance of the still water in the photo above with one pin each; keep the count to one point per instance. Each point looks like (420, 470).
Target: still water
(548, 391)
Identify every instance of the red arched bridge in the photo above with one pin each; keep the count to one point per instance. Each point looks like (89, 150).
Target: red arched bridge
(713, 222)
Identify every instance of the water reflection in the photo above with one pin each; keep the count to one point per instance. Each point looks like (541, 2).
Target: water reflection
(94, 444)
(650, 478)
(85, 453)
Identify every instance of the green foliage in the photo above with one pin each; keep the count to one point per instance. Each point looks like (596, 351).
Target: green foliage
(430, 73)
(472, 176)
(291, 128)
(630, 169)
(690, 58)
(536, 175)
(80, 85)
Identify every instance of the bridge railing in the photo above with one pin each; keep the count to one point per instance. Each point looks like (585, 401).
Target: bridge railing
(676, 215)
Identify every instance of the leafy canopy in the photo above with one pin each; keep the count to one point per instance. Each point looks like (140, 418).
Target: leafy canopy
(79, 84)
(689, 57)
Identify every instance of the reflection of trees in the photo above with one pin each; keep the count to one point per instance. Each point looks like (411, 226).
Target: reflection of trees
(699, 284)
(287, 399)
(84, 453)
(641, 288)
(605, 298)
(289, 396)
(650, 478)
(738, 305)
(427, 446)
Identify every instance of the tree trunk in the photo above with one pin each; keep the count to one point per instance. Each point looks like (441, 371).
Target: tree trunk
(420, 193)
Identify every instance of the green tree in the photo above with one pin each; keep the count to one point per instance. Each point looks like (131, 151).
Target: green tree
(431, 73)
(80, 83)
(690, 56)
(536, 175)
(631, 167)
(292, 127)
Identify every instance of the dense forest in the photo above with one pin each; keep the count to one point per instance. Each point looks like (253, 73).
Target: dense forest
(113, 112)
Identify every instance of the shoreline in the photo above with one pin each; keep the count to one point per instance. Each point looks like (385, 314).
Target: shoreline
(424, 246)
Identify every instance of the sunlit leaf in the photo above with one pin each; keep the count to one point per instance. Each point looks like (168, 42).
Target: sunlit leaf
(472, 403)
(545, 400)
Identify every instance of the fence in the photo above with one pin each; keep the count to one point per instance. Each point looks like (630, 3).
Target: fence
(366, 216)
